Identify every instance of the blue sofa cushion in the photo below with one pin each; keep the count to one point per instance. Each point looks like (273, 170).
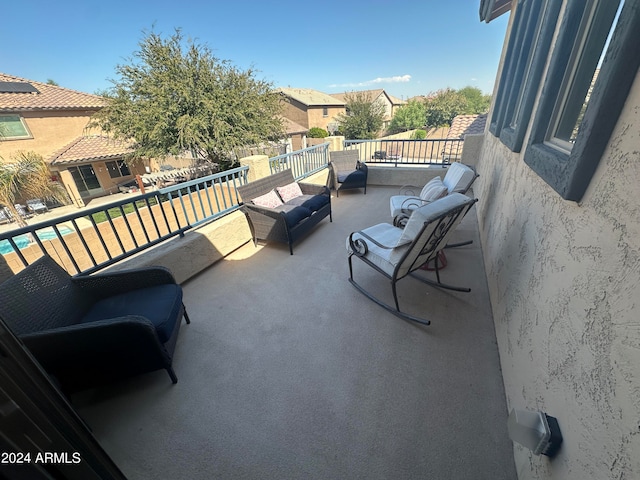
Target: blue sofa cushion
(356, 176)
(293, 214)
(312, 202)
(159, 304)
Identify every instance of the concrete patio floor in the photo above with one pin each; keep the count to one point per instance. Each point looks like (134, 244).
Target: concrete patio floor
(288, 372)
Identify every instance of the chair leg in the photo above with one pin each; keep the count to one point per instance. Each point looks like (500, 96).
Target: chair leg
(461, 244)
(396, 311)
(185, 315)
(172, 375)
(438, 283)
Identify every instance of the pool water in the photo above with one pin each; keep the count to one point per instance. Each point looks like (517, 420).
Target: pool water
(23, 241)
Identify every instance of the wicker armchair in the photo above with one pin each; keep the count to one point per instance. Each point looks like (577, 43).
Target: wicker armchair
(90, 330)
(347, 171)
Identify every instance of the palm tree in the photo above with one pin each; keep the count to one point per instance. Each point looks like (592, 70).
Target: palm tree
(27, 176)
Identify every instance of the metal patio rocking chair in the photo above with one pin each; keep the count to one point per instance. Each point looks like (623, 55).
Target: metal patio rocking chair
(397, 253)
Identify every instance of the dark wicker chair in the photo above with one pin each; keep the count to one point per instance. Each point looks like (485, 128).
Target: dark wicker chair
(347, 171)
(89, 330)
(290, 221)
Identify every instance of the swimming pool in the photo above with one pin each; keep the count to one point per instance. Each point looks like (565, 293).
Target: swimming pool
(23, 241)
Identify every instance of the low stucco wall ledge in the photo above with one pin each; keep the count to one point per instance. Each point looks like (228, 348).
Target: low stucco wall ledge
(197, 250)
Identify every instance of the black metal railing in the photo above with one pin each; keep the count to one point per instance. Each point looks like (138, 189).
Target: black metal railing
(94, 238)
(408, 152)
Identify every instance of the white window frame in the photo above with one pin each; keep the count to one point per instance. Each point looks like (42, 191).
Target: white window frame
(20, 118)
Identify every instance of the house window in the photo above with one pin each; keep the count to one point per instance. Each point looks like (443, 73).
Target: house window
(533, 29)
(589, 77)
(118, 169)
(13, 127)
(325, 112)
(85, 178)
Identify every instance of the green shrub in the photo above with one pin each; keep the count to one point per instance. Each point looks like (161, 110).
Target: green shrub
(419, 135)
(317, 132)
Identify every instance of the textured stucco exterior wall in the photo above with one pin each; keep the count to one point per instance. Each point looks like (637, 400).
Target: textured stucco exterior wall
(50, 130)
(564, 281)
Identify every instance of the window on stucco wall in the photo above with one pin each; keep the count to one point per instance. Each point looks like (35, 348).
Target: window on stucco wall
(590, 72)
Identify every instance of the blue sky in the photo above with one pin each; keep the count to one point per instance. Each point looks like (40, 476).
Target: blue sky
(406, 47)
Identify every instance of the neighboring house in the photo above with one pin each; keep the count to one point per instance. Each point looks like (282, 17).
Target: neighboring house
(389, 102)
(463, 125)
(559, 215)
(311, 108)
(52, 121)
(296, 135)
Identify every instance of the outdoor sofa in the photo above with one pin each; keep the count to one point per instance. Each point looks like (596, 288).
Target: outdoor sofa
(282, 210)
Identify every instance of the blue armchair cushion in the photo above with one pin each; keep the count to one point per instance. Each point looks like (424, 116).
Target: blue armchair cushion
(351, 177)
(312, 202)
(294, 214)
(159, 304)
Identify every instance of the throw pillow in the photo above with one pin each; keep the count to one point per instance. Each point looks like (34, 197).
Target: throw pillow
(268, 200)
(289, 191)
(433, 190)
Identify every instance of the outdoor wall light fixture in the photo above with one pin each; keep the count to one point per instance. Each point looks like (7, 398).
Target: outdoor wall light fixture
(537, 431)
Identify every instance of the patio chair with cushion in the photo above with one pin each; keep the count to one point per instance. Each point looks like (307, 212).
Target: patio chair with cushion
(396, 253)
(88, 330)
(347, 171)
(36, 205)
(22, 211)
(458, 179)
(5, 215)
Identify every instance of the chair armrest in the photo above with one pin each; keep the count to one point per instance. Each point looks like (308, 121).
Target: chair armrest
(313, 189)
(410, 190)
(112, 283)
(359, 245)
(412, 203)
(58, 346)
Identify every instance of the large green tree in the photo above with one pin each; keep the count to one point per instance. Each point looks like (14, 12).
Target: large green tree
(26, 175)
(443, 106)
(173, 95)
(408, 117)
(364, 118)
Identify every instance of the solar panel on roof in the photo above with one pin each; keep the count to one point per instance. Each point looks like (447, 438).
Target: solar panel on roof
(17, 87)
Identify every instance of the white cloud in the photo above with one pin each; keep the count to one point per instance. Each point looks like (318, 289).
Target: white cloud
(375, 81)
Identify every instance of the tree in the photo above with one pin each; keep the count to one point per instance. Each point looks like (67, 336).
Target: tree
(175, 96)
(476, 101)
(317, 132)
(408, 117)
(364, 117)
(443, 106)
(27, 176)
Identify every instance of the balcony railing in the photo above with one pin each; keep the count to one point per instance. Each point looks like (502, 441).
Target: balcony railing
(90, 240)
(408, 152)
(303, 163)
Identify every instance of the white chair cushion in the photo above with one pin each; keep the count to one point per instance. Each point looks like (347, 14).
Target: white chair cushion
(385, 234)
(458, 177)
(433, 190)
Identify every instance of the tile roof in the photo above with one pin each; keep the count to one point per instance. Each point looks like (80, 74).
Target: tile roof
(310, 97)
(90, 148)
(467, 125)
(292, 127)
(47, 97)
(373, 94)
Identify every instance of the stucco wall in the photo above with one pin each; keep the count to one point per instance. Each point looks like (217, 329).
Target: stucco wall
(50, 130)
(564, 281)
